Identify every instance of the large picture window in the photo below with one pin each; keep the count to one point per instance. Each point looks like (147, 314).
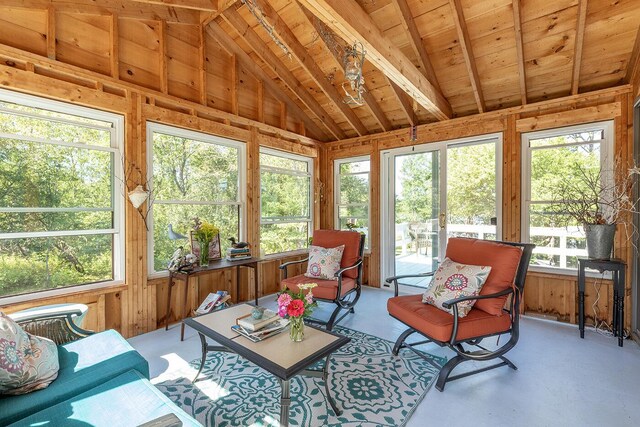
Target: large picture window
(351, 182)
(286, 214)
(60, 195)
(194, 175)
(549, 159)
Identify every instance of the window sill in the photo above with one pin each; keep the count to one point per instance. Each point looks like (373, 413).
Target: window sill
(280, 255)
(551, 271)
(107, 287)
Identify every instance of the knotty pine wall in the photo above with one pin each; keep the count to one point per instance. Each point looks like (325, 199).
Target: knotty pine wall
(548, 294)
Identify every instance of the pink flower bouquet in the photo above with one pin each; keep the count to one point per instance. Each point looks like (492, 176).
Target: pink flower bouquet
(295, 306)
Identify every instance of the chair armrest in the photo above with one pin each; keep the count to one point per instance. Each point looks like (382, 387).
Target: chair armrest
(33, 316)
(58, 326)
(342, 270)
(451, 302)
(284, 266)
(394, 279)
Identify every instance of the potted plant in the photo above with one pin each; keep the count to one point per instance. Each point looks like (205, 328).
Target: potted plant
(204, 232)
(599, 200)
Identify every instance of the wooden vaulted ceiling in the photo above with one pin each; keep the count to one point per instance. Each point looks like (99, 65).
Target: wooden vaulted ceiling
(427, 60)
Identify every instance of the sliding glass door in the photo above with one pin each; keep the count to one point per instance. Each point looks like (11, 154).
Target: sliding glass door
(435, 191)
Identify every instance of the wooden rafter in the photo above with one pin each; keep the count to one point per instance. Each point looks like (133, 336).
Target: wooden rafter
(517, 25)
(270, 58)
(347, 19)
(467, 52)
(633, 67)
(369, 99)
(406, 17)
(206, 5)
(579, 43)
(300, 53)
(251, 67)
(405, 103)
(221, 7)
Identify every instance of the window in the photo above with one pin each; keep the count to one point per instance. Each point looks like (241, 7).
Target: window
(549, 157)
(286, 214)
(193, 175)
(352, 194)
(60, 195)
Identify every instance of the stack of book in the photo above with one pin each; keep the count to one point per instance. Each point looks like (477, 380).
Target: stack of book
(256, 330)
(237, 254)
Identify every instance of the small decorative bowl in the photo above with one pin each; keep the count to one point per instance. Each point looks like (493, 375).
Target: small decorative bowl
(257, 312)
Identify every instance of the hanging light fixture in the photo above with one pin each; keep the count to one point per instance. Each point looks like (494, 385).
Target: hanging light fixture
(138, 196)
(353, 62)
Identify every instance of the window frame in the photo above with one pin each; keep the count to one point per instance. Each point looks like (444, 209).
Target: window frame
(337, 183)
(117, 188)
(153, 127)
(283, 220)
(606, 163)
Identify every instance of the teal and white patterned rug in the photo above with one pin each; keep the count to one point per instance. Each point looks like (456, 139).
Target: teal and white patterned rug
(372, 386)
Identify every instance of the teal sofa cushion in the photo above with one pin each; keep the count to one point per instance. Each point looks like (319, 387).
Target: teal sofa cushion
(84, 364)
(127, 400)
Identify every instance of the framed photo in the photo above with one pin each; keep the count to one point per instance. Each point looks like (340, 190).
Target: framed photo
(214, 248)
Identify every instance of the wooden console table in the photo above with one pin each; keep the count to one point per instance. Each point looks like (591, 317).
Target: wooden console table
(213, 265)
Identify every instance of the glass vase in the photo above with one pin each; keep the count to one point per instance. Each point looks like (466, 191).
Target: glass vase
(296, 328)
(204, 253)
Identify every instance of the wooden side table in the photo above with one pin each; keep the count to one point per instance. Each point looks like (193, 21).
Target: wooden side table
(618, 269)
(213, 265)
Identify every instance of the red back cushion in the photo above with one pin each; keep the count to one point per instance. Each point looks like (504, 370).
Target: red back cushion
(335, 238)
(503, 259)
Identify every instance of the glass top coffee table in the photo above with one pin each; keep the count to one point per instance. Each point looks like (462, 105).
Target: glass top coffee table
(277, 355)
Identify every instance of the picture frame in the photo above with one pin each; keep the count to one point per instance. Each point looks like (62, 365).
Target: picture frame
(215, 251)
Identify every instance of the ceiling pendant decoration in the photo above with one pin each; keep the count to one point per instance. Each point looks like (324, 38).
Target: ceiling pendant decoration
(258, 13)
(353, 61)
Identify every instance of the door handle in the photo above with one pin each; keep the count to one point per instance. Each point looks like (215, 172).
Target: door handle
(442, 221)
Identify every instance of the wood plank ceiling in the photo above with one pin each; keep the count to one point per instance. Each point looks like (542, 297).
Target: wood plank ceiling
(427, 60)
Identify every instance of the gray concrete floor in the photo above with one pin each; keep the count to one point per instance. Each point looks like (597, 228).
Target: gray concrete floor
(562, 380)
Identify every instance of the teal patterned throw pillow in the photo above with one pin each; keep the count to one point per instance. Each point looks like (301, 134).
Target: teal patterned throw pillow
(27, 362)
(453, 280)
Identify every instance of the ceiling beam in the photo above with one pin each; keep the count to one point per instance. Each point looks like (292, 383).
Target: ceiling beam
(347, 19)
(633, 67)
(405, 103)
(221, 6)
(206, 5)
(369, 99)
(266, 54)
(409, 24)
(517, 25)
(467, 53)
(300, 52)
(228, 44)
(579, 43)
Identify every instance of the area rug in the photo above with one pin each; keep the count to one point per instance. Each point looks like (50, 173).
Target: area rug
(372, 386)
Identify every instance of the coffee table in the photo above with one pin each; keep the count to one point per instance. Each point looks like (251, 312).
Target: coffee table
(277, 355)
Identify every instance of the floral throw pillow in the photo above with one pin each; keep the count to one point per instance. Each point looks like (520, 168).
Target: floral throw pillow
(324, 262)
(27, 362)
(453, 280)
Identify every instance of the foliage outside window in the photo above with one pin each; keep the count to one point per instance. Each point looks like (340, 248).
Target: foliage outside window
(352, 194)
(285, 201)
(60, 199)
(554, 159)
(193, 175)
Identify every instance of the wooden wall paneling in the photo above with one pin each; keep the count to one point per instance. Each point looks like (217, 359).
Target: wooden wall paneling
(233, 78)
(24, 29)
(578, 47)
(522, 76)
(183, 60)
(374, 259)
(51, 32)
(572, 117)
(114, 54)
(83, 40)
(162, 57)
(140, 53)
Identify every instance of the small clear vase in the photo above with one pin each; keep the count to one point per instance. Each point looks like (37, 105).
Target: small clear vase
(296, 328)
(204, 253)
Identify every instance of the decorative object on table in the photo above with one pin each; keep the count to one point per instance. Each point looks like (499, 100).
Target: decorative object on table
(257, 312)
(295, 306)
(27, 362)
(252, 324)
(173, 235)
(599, 200)
(205, 241)
(237, 245)
(363, 393)
(210, 302)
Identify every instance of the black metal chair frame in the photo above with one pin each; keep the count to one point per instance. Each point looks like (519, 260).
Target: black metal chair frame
(343, 302)
(464, 354)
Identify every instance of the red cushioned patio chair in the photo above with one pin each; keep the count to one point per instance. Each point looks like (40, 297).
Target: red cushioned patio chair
(345, 290)
(496, 311)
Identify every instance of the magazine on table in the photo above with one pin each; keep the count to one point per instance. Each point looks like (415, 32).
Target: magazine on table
(213, 300)
(273, 328)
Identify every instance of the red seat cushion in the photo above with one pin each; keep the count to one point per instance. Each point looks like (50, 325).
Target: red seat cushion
(503, 259)
(327, 289)
(438, 324)
(335, 238)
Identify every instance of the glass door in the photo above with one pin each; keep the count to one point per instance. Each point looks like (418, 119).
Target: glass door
(433, 192)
